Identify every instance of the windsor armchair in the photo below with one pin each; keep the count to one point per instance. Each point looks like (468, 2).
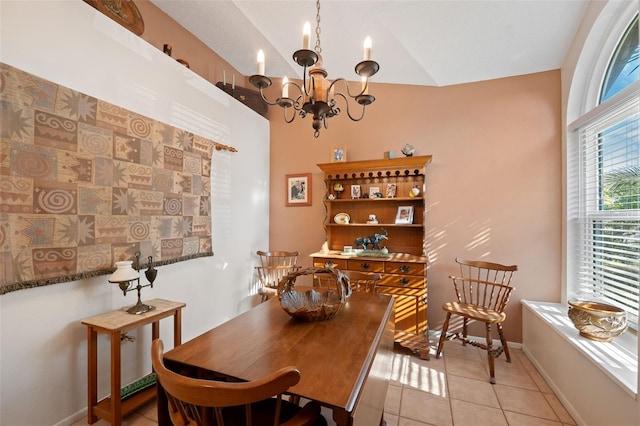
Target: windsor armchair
(482, 293)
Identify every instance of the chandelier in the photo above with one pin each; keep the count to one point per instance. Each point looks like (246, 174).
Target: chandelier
(317, 95)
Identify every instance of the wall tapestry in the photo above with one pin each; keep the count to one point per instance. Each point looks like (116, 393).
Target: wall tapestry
(84, 183)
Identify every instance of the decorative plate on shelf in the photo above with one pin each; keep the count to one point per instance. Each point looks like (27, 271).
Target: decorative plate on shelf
(124, 12)
(342, 219)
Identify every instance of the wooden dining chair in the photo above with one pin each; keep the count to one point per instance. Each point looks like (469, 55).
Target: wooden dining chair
(482, 291)
(274, 265)
(195, 401)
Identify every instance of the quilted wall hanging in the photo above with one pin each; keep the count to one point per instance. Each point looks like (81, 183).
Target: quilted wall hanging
(84, 183)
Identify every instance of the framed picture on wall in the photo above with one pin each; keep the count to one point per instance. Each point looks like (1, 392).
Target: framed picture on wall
(298, 189)
(404, 215)
(338, 154)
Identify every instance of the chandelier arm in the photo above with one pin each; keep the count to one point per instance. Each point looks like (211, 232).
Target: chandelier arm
(284, 114)
(285, 102)
(265, 99)
(346, 84)
(297, 104)
(307, 83)
(300, 90)
(352, 118)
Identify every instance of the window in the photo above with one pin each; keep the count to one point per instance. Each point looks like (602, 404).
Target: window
(604, 188)
(623, 68)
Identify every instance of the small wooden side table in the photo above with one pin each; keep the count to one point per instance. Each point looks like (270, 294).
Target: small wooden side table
(114, 323)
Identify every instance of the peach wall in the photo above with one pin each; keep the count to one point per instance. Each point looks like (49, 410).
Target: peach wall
(493, 187)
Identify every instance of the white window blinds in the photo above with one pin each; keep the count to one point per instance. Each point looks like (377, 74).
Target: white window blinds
(604, 207)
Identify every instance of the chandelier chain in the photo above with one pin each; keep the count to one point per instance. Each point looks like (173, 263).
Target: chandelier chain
(318, 49)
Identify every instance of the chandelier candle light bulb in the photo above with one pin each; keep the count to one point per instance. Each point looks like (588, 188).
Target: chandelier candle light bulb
(367, 48)
(285, 87)
(306, 36)
(260, 62)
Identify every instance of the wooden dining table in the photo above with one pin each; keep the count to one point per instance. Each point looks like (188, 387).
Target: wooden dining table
(345, 362)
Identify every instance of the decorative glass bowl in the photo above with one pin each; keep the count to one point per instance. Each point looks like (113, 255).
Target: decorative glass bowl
(314, 304)
(596, 320)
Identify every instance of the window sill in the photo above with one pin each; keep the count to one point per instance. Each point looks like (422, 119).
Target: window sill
(617, 359)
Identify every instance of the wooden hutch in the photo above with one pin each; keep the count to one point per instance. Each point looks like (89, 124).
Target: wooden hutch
(395, 185)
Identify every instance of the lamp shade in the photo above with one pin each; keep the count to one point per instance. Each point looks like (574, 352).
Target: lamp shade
(124, 272)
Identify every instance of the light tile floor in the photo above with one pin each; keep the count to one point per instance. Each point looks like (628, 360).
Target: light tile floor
(452, 390)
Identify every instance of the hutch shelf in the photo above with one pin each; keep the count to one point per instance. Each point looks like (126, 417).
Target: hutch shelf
(386, 189)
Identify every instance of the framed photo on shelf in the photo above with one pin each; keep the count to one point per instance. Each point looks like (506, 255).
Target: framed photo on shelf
(391, 190)
(404, 215)
(338, 154)
(298, 189)
(355, 191)
(373, 192)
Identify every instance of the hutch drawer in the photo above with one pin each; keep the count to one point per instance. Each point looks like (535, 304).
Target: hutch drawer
(320, 262)
(405, 268)
(403, 281)
(364, 265)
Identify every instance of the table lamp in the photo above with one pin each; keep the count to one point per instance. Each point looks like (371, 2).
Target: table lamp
(127, 276)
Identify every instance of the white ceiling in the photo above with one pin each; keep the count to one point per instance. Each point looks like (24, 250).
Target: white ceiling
(428, 42)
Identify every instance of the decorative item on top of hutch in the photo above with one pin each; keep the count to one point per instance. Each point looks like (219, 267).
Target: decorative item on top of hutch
(124, 12)
(338, 154)
(404, 267)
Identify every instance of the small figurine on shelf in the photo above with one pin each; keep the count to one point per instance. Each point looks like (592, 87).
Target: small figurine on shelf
(372, 240)
(408, 150)
(415, 191)
(338, 188)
